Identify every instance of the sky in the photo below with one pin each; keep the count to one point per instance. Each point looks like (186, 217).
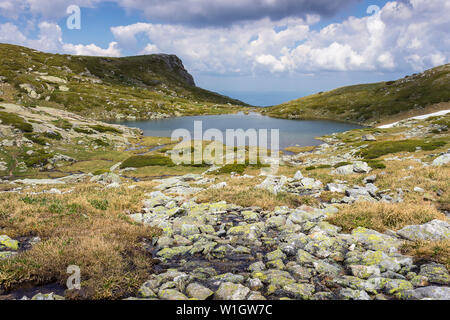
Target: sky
(263, 52)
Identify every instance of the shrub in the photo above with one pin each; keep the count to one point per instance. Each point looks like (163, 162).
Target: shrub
(341, 164)
(38, 158)
(84, 131)
(238, 168)
(103, 129)
(145, 161)
(15, 121)
(36, 138)
(63, 124)
(102, 143)
(376, 164)
(99, 204)
(53, 135)
(379, 149)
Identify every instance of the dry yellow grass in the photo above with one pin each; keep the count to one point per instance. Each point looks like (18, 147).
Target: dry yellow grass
(381, 216)
(438, 251)
(243, 192)
(89, 228)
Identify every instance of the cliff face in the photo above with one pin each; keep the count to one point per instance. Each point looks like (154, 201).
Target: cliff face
(175, 65)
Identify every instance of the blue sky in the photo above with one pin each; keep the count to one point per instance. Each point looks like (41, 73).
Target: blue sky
(261, 51)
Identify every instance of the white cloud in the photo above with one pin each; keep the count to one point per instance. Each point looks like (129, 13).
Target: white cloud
(49, 39)
(401, 36)
(92, 50)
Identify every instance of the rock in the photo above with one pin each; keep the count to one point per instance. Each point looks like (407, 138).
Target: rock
(6, 243)
(146, 291)
(418, 189)
(257, 267)
(303, 291)
(435, 273)
(171, 294)
(298, 175)
(49, 296)
(255, 284)
(432, 292)
(197, 291)
(397, 287)
(344, 170)
(370, 179)
(53, 79)
(350, 294)
(229, 277)
(441, 160)
(220, 185)
(361, 167)
(434, 230)
(39, 181)
(323, 267)
(374, 240)
(276, 222)
(336, 187)
(368, 137)
(106, 178)
(189, 230)
(231, 291)
(365, 272)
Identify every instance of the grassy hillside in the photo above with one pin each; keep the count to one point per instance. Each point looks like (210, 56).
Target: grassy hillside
(105, 88)
(371, 103)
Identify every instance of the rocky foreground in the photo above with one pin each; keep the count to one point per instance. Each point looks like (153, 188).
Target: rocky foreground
(224, 251)
(220, 250)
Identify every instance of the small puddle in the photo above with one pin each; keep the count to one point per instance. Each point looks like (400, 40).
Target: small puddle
(30, 290)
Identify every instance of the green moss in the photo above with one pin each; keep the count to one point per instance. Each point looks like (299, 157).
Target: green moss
(145, 161)
(99, 204)
(103, 129)
(15, 121)
(38, 158)
(376, 164)
(341, 164)
(63, 124)
(238, 168)
(83, 130)
(53, 135)
(100, 171)
(101, 143)
(36, 138)
(379, 149)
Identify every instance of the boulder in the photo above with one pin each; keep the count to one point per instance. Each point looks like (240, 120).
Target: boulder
(232, 291)
(434, 231)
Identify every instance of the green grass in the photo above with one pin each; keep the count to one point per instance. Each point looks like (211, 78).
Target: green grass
(131, 86)
(83, 130)
(146, 161)
(103, 129)
(367, 103)
(38, 158)
(15, 121)
(238, 168)
(379, 149)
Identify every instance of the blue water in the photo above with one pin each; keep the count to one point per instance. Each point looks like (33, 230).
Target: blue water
(291, 132)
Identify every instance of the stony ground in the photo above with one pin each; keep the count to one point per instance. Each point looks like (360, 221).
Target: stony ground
(212, 249)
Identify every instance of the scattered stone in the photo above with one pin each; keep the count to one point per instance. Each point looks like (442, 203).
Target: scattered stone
(232, 291)
(435, 273)
(434, 230)
(197, 291)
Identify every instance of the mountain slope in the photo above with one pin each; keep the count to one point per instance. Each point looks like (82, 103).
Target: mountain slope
(141, 87)
(371, 103)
